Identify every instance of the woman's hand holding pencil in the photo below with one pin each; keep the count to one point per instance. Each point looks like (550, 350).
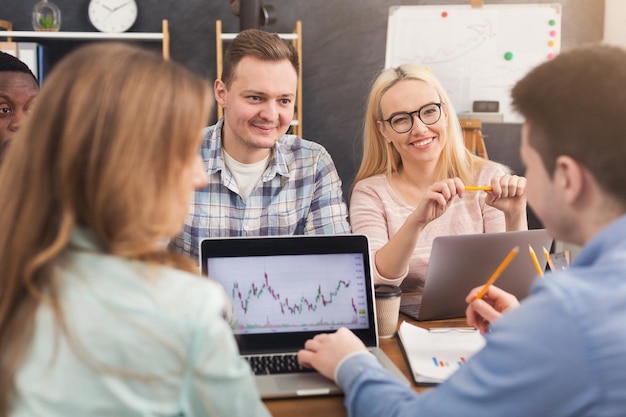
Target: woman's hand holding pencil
(506, 193)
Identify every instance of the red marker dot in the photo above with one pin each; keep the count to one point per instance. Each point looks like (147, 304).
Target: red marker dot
(444, 14)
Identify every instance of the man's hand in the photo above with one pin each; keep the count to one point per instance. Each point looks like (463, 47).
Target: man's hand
(481, 313)
(326, 350)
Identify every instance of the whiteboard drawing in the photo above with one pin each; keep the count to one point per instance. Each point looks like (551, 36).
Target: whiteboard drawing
(477, 53)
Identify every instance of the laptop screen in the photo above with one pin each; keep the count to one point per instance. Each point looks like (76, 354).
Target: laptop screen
(285, 293)
(285, 289)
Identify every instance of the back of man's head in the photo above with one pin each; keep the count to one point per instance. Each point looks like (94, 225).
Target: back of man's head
(9, 63)
(575, 105)
(256, 43)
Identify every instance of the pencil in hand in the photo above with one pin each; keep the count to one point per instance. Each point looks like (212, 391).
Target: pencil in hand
(496, 274)
(533, 256)
(478, 188)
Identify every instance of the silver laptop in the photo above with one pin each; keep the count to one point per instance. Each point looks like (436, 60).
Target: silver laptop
(283, 291)
(459, 263)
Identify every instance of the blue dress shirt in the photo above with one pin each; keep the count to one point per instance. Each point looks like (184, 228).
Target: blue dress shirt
(561, 353)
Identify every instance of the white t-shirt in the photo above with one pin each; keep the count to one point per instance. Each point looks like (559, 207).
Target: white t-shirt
(246, 176)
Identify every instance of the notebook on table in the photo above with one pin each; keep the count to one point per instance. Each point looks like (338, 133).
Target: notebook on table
(459, 263)
(285, 290)
(435, 354)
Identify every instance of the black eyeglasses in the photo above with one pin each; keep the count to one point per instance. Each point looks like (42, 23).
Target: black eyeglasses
(402, 121)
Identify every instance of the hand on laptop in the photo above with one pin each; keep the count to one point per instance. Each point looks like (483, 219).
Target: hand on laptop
(480, 313)
(326, 350)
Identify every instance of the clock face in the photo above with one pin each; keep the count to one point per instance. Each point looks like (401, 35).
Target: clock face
(112, 15)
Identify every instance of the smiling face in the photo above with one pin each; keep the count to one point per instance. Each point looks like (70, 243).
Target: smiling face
(423, 143)
(17, 94)
(258, 107)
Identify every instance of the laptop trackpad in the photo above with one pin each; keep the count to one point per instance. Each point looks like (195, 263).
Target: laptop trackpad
(289, 385)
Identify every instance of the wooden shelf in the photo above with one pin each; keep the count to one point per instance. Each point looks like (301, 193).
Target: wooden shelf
(163, 36)
(127, 36)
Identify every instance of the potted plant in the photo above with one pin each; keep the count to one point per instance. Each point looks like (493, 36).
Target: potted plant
(46, 16)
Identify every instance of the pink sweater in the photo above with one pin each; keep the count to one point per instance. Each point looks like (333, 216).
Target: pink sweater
(378, 212)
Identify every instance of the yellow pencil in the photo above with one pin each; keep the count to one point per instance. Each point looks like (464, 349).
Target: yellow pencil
(546, 254)
(478, 188)
(497, 272)
(533, 256)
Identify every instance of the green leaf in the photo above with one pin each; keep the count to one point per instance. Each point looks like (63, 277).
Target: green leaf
(46, 21)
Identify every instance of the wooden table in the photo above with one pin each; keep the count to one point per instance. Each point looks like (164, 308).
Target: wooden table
(333, 406)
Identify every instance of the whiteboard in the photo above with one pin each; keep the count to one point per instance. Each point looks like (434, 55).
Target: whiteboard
(476, 53)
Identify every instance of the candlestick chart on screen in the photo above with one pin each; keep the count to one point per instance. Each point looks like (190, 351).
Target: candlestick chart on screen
(286, 293)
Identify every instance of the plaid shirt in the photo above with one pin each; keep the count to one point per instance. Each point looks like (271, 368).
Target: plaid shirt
(299, 193)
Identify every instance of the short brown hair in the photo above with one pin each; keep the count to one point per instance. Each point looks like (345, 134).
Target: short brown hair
(257, 44)
(575, 105)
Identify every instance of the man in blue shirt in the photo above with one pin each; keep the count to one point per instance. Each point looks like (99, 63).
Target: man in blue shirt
(262, 181)
(562, 352)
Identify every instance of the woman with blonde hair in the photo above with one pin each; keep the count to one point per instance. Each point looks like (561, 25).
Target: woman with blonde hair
(410, 186)
(96, 317)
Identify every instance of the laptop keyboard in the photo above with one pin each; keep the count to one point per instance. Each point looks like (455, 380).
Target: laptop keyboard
(275, 364)
(410, 306)
(410, 309)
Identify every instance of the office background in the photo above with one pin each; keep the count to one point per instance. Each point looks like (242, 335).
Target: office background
(343, 48)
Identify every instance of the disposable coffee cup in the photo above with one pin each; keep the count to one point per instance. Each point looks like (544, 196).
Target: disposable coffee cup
(387, 309)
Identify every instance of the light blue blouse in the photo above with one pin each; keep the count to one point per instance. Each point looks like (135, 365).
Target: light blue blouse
(144, 340)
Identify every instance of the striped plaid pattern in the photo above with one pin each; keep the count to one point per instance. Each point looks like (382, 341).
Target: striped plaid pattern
(299, 193)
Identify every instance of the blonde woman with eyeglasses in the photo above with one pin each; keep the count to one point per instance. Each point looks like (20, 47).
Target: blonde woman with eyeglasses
(410, 187)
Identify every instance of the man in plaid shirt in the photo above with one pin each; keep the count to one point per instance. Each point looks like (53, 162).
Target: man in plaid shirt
(261, 180)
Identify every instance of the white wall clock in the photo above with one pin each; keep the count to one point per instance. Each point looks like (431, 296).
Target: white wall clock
(112, 15)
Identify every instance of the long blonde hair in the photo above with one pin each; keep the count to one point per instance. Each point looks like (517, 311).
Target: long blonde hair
(380, 157)
(103, 150)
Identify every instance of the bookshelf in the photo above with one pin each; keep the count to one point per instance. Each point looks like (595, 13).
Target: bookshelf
(295, 37)
(163, 36)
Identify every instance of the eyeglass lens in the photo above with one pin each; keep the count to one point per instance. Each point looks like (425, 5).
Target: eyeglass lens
(429, 114)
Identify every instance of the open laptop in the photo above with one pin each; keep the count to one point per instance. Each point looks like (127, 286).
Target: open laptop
(285, 290)
(461, 262)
